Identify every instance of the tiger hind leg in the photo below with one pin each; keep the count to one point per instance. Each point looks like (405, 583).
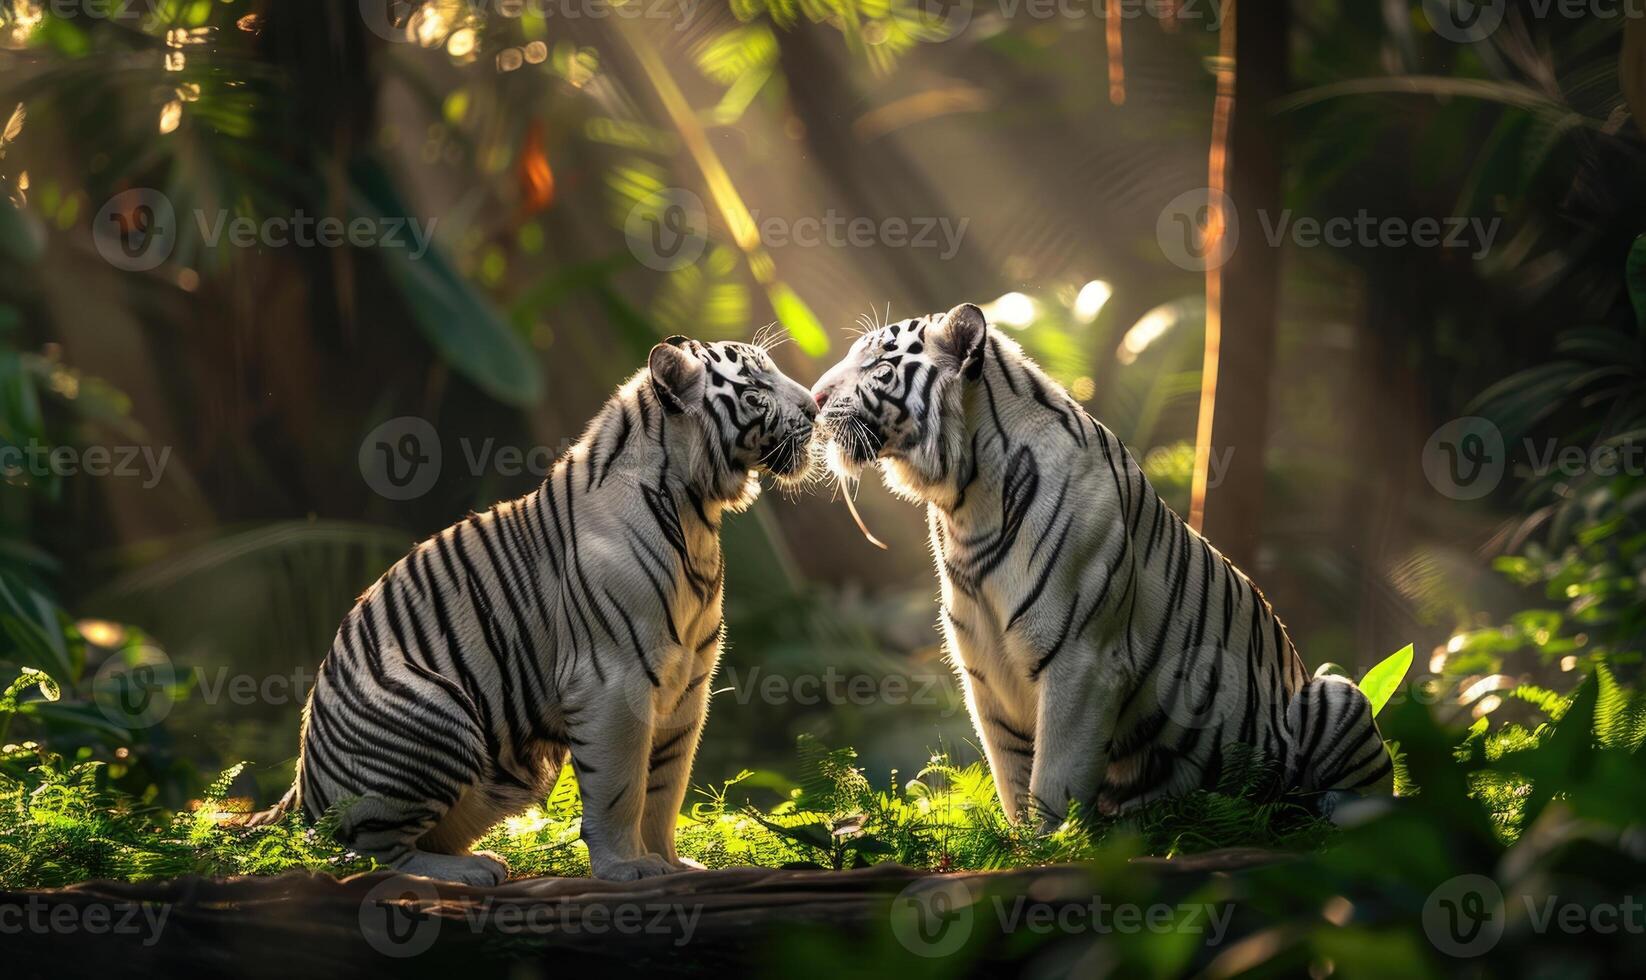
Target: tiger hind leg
(395, 833)
(1337, 753)
(389, 810)
(407, 836)
(477, 811)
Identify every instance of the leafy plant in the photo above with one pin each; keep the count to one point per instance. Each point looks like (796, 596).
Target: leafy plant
(1381, 682)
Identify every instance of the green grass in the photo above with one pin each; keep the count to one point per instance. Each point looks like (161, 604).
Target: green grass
(1549, 804)
(61, 824)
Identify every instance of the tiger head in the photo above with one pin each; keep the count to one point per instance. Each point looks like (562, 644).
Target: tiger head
(753, 417)
(888, 397)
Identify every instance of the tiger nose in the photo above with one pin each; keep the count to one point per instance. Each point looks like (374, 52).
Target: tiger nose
(821, 393)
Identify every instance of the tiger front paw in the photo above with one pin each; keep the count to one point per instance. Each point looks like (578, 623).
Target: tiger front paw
(645, 866)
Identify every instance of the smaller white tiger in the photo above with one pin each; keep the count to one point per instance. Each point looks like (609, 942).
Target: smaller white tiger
(1109, 655)
(581, 620)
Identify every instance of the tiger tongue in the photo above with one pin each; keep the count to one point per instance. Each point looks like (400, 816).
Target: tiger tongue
(852, 506)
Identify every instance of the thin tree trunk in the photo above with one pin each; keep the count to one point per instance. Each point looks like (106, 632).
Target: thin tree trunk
(1242, 293)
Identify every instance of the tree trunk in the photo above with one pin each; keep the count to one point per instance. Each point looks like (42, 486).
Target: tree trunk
(1242, 292)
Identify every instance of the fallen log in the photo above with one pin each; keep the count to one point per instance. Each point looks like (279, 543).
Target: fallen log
(728, 921)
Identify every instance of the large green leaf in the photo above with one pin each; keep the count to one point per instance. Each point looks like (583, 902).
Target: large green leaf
(22, 240)
(798, 319)
(452, 314)
(1381, 682)
(31, 623)
(1636, 278)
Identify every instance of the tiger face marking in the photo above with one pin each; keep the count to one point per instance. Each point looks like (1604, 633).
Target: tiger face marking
(761, 419)
(883, 400)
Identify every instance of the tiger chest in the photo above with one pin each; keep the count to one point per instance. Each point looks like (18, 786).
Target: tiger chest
(995, 650)
(690, 645)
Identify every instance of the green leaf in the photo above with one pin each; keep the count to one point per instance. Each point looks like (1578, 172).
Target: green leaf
(1565, 758)
(30, 677)
(1620, 714)
(1635, 277)
(65, 37)
(455, 318)
(1380, 682)
(811, 833)
(799, 320)
(22, 239)
(30, 621)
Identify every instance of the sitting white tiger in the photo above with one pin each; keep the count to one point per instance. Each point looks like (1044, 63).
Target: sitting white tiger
(583, 618)
(1109, 655)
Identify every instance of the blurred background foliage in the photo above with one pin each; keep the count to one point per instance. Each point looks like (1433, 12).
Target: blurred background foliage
(529, 138)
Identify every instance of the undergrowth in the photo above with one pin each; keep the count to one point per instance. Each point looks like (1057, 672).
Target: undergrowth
(62, 824)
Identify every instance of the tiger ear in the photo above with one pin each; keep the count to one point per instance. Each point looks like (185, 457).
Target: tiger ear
(677, 375)
(961, 338)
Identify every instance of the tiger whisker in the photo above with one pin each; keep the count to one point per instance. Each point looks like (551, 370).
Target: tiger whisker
(780, 445)
(770, 337)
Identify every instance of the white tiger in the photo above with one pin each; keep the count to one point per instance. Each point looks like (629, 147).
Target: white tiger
(1109, 655)
(583, 619)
